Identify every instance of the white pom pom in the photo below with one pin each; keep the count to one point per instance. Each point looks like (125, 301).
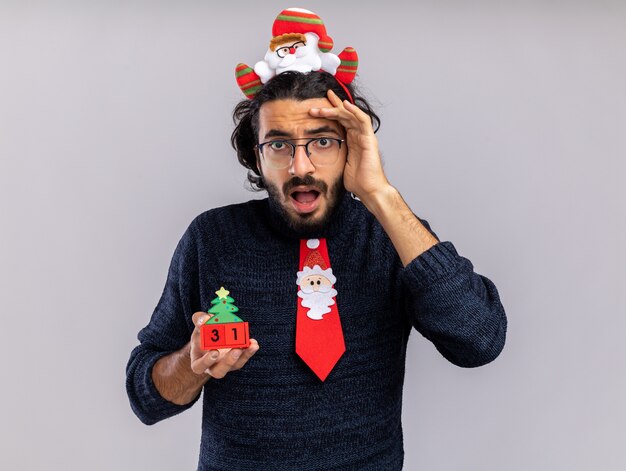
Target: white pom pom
(313, 243)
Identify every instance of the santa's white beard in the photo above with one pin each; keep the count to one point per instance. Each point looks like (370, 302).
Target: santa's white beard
(318, 302)
(306, 63)
(306, 59)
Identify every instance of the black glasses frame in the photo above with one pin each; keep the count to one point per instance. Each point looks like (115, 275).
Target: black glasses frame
(280, 52)
(305, 145)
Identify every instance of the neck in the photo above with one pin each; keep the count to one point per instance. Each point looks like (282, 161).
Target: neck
(335, 222)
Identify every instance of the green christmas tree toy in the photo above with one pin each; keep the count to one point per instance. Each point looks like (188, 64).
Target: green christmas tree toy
(224, 329)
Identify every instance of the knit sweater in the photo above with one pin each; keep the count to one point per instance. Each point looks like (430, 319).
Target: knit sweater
(274, 413)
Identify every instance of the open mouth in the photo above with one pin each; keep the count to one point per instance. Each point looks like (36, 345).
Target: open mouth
(305, 200)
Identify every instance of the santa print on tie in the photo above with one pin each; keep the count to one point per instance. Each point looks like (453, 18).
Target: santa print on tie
(319, 337)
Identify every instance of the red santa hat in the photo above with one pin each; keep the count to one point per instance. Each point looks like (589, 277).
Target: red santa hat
(299, 20)
(314, 264)
(315, 258)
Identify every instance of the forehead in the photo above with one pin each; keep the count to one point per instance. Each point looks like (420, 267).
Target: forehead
(292, 116)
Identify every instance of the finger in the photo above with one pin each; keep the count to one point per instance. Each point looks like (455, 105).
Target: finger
(348, 106)
(361, 115)
(349, 115)
(225, 363)
(347, 119)
(360, 119)
(246, 354)
(206, 361)
(334, 99)
(200, 318)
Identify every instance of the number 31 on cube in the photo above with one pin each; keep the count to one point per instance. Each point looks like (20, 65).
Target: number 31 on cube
(227, 335)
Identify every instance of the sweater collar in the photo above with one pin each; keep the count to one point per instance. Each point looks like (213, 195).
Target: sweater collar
(339, 221)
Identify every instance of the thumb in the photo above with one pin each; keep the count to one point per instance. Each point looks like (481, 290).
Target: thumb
(200, 318)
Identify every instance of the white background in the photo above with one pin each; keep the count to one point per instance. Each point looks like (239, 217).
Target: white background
(503, 125)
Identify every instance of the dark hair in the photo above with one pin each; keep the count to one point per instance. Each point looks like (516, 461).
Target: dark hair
(287, 85)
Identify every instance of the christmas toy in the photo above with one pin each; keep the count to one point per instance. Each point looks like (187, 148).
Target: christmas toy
(224, 329)
(300, 43)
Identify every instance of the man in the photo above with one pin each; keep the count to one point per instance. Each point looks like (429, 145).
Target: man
(269, 406)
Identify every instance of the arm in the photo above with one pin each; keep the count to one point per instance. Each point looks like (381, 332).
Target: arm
(175, 380)
(364, 176)
(167, 371)
(454, 307)
(447, 302)
(408, 235)
(164, 339)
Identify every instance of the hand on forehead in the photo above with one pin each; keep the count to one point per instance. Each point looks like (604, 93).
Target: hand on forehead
(293, 118)
(348, 115)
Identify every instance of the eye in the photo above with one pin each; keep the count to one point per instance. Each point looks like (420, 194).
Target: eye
(282, 51)
(319, 282)
(324, 143)
(277, 145)
(312, 283)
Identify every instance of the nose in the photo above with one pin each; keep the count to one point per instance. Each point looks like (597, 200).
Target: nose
(292, 50)
(301, 165)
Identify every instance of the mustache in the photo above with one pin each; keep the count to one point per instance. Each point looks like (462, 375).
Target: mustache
(288, 60)
(306, 181)
(322, 290)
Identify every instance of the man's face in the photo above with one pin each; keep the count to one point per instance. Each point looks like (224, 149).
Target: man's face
(305, 194)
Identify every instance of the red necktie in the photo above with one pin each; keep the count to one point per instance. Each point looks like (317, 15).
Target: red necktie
(319, 337)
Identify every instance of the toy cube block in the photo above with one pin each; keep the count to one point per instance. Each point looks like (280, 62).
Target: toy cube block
(229, 335)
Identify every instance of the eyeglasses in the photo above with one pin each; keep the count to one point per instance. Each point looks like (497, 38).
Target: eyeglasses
(321, 151)
(283, 51)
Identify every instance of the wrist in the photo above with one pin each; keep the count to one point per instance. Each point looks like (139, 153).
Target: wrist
(382, 200)
(408, 235)
(173, 378)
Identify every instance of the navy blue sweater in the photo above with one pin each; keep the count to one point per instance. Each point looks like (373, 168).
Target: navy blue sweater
(275, 413)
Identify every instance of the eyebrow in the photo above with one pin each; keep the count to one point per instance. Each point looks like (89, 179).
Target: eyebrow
(321, 130)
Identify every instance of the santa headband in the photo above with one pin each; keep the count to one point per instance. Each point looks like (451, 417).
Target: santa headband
(300, 43)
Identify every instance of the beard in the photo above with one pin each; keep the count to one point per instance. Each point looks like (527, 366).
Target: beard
(308, 61)
(318, 302)
(308, 222)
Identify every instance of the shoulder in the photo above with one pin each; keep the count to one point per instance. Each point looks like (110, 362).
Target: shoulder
(232, 214)
(224, 227)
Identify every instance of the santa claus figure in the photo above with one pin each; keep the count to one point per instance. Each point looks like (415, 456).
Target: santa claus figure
(316, 282)
(298, 52)
(299, 43)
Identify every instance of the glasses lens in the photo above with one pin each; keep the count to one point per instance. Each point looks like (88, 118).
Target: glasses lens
(277, 154)
(324, 151)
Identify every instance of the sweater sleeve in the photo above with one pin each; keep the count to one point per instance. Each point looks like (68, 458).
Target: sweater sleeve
(169, 330)
(454, 307)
